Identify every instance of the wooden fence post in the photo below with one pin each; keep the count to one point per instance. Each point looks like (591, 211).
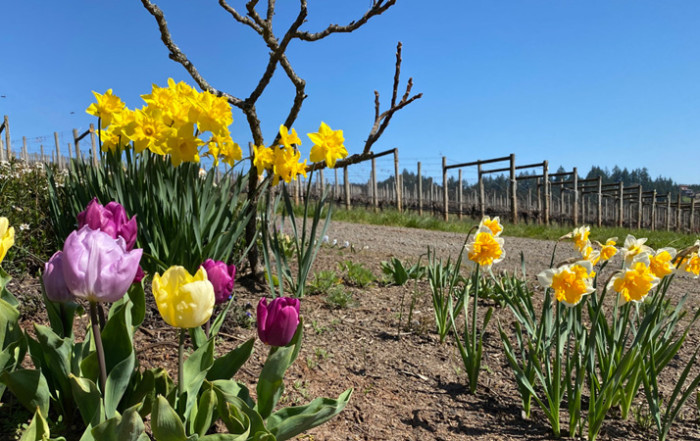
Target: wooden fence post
(459, 194)
(599, 212)
(25, 155)
(621, 214)
(576, 201)
(335, 187)
(691, 221)
(58, 150)
(639, 207)
(482, 201)
(375, 202)
(70, 151)
(546, 200)
(668, 212)
(93, 144)
(41, 149)
(77, 144)
(8, 140)
(513, 191)
(420, 192)
(653, 211)
(397, 180)
(679, 213)
(445, 196)
(346, 184)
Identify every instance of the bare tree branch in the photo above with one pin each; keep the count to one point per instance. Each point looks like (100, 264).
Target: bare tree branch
(378, 7)
(177, 55)
(381, 121)
(270, 11)
(240, 18)
(252, 13)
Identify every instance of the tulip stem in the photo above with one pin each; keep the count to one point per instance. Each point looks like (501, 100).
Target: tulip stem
(180, 361)
(98, 345)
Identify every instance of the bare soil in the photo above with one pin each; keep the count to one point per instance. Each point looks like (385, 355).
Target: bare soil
(407, 386)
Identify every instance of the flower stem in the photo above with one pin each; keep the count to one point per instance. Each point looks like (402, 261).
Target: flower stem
(94, 321)
(180, 361)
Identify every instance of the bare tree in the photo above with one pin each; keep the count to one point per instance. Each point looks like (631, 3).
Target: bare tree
(262, 25)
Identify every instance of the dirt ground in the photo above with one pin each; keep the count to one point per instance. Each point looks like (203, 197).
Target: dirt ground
(407, 386)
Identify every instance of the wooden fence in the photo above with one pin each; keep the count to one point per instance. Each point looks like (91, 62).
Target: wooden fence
(556, 197)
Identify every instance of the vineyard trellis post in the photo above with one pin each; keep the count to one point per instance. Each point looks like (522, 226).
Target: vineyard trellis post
(8, 146)
(621, 201)
(445, 196)
(420, 191)
(459, 194)
(576, 207)
(668, 212)
(346, 184)
(653, 210)
(691, 222)
(639, 207)
(25, 155)
(59, 161)
(397, 180)
(375, 202)
(679, 214)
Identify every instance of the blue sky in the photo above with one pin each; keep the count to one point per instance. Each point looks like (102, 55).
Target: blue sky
(578, 83)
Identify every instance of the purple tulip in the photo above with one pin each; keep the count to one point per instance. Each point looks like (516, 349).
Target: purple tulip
(222, 276)
(54, 282)
(111, 219)
(278, 321)
(97, 267)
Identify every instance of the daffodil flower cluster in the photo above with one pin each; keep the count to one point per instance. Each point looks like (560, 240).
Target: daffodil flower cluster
(173, 122)
(487, 247)
(282, 161)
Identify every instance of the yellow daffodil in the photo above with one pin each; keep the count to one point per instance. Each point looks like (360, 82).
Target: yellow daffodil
(328, 145)
(486, 249)
(149, 132)
(691, 264)
(184, 147)
(569, 282)
(213, 113)
(106, 107)
(183, 300)
(590, 254)
(580, 237)
(661, 262)
(635, 281)
(223, 146)
(608, 250)
(7, 237)
(263, 158)
(288, 138)
(493, 224)
(632, 247)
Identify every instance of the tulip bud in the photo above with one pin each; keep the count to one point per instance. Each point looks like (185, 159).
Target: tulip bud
(222, 276)
(97, 267)
(278, 321)
(111, 219)
(183, 300)
(7, 237)
(54, 282)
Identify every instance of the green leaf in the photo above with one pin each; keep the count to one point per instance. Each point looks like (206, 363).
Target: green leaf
(291, 421)
(205, 412)
(138, 301)
(165, 422)
(126, 427)
(225, 367)
(30, 388)
(38, 429)
(117, 383)
(195, 371)
(88, 400)
(117, 341)
(56, 362)
(270, 384)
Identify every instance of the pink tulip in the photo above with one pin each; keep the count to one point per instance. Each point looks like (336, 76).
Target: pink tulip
(222, 276)
(278, 321)
(111, 219)
(54, 282)
(97, 267)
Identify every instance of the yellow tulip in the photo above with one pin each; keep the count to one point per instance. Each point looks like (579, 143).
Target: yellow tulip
(7, 237)
(183, 300)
